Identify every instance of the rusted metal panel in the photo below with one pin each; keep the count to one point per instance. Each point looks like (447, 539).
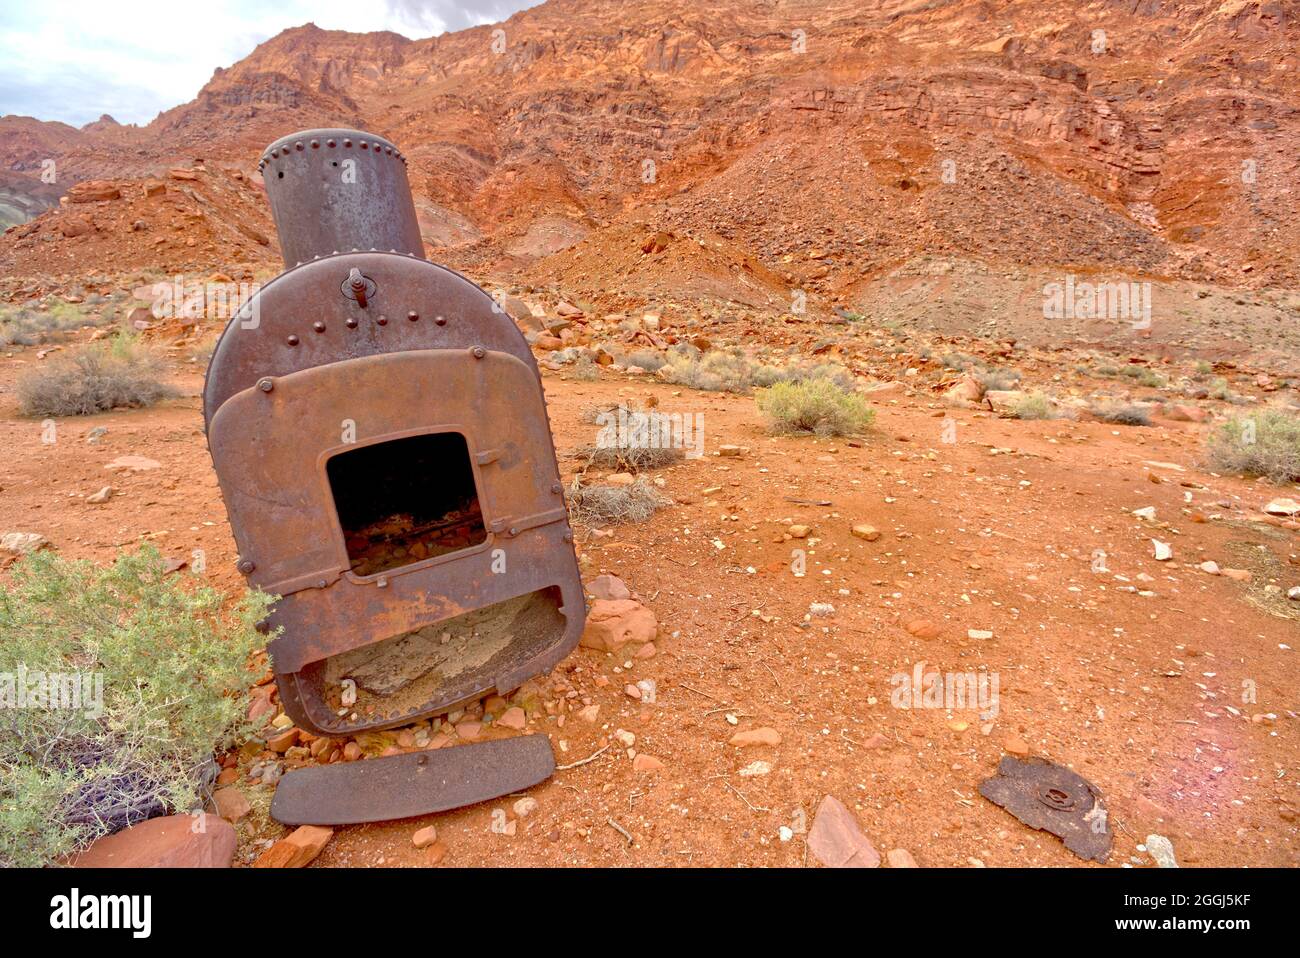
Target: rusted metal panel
(271, 444)
(450, 575)
(1052, 798)
(302, 319)
(418, 783)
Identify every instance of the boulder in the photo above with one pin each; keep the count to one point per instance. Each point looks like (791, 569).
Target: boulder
(93, 191)
(612, 623)
(173, 841)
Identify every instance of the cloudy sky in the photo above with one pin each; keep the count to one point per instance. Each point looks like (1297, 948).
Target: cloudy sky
(74, 60)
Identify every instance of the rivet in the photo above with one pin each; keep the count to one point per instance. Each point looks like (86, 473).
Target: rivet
(291, 340)
(365, 145)
(330, 143)
(441, 320)
(351, 323)
(265, 384)
(246, 566)
(568, 535)
(382, 320)
(347, 143)
(298, 146)
(318, 326)
(412, 315)
(514, 531)
(382, 583)
(315, 144)
(479, 352)
(557, 488)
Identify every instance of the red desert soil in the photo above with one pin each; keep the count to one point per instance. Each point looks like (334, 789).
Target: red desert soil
(1139, 691)
(920, 172)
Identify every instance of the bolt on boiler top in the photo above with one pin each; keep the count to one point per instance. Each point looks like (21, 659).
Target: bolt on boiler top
(339, 190)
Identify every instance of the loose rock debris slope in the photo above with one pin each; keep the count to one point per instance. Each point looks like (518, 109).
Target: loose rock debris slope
(738, 699)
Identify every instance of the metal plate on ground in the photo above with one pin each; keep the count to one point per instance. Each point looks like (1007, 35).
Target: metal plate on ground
(418, 783)
(1046, 796)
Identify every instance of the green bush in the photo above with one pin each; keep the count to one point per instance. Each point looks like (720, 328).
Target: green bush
(818, 406)
(95, 380)
(171, 667)
(1264, 444)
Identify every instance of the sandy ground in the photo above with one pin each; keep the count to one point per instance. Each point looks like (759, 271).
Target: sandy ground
(1142, 685)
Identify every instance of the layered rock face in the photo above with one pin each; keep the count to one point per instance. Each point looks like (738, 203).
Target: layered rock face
(1152, 136)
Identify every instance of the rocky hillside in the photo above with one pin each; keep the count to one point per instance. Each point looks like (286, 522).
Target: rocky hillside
(771, 145)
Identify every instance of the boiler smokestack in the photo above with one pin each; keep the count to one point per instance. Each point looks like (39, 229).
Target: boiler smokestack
(336, 191)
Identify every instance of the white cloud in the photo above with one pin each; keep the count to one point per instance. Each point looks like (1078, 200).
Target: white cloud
(73, 61)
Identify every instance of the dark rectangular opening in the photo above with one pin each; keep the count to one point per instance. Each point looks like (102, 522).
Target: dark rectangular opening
(407, 500)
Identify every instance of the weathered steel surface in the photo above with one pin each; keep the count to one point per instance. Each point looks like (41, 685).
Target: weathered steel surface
(277, 331)
(396, 348)
(335, 190)
(1046, 796)
(418, 783)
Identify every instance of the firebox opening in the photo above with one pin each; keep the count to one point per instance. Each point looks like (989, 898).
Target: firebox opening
(407, 500)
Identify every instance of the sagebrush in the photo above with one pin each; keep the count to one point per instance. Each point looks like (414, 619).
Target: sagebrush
(97, 379)
(1265, 443)
(599, 504)
(819, 406)
(171, 658)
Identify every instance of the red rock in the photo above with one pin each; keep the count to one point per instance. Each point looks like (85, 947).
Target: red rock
(228, 776)
(297, 850)
(923, 629)
(612, 623)
(513, 718)
(469, 730)
(425, 837)
(1016, 746)
(756, 736)
(836, 840)
(646, 763)
(901, 858)
(435, 854)
(72, 226)
(173, 841)
(230, 803)
(608, 587)
(92, 191)
(283, 741)
(351, 752)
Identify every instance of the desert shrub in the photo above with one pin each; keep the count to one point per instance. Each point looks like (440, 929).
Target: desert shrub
(997, 379)
(1122, 414)
(1219, 389)
(1266, 443)
(814, 406)
(172, 669)
(730, 370)
(718, 370)
(94, 380)
(646, 359)
(1144, 376)
(631, 439)
(598, 504)
(1034, 406)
